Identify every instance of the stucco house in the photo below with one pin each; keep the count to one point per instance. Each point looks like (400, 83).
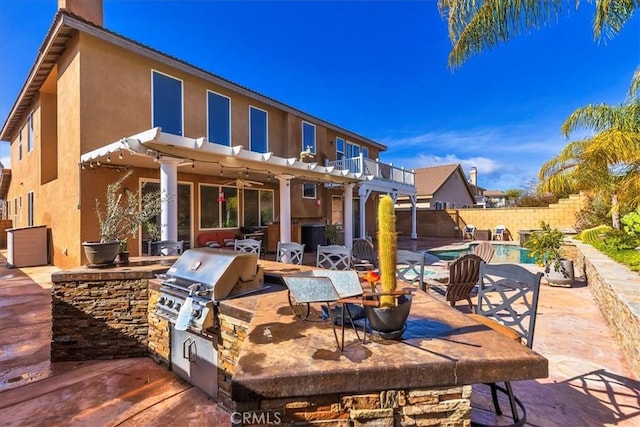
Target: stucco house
(96, 103)
(440, 187)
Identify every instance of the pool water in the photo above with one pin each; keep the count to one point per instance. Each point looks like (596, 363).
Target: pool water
(504, 254)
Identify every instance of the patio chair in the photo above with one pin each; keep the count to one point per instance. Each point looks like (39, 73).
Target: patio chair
(498, 232)
(166, 247)
(251, 246)
(364, 255)
(410, 267)
(291, 253)
(508, 303)
(463, 277)
(334, 257)
(469, 230)
(485, 251)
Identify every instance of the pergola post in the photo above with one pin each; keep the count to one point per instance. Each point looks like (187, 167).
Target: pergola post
(348, 215)
(285, 207)
(169, 191)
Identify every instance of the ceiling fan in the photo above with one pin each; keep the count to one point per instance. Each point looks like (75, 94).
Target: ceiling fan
(241, 183)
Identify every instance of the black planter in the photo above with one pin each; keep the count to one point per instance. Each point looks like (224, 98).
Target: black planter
(101, 253)
(123, 257)
(390, 323)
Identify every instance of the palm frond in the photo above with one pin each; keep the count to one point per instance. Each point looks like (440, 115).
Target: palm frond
(611, 15)
(635, 84)
(596, 117)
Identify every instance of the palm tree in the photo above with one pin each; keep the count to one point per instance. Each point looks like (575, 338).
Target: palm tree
(607, 162)
(477, 25)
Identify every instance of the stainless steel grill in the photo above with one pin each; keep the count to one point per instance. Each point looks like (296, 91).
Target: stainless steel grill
(207, 275)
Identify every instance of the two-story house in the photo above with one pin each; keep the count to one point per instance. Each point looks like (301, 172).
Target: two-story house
(96, 103)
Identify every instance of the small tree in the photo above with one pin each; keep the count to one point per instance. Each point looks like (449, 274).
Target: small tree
(122, 213)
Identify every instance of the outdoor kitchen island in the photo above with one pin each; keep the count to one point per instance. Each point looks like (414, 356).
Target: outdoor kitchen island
(270, 364)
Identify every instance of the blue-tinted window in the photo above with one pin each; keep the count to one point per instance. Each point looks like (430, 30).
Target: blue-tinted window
(308, 136)
(365, 152)
(339, 148)
(219, 119)
(30, 132)
(167, 103)
(258, 140)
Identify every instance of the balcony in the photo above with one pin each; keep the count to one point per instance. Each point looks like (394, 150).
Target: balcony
(369, 169)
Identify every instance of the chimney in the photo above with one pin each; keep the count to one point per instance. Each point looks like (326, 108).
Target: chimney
(473, 176)
(91, 10)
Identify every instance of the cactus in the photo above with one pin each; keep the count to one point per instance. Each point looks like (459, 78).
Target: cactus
(387, 252)
(591, 235)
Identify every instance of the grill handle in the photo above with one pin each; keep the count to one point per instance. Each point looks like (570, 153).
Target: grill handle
(186, 349)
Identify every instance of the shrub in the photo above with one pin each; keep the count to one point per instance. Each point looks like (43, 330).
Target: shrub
(590, 235)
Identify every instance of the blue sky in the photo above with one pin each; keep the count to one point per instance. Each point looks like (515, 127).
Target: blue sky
(378, 68)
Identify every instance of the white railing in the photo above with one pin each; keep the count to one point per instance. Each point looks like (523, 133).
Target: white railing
(373, 169)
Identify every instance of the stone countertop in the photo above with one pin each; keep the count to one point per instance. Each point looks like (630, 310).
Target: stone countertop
(440, 347)
(140, 267)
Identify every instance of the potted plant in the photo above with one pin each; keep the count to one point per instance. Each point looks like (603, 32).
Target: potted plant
(120, 217)
(546, 248)
(390, 317)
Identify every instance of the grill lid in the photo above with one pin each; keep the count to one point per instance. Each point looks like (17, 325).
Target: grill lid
(221, 273)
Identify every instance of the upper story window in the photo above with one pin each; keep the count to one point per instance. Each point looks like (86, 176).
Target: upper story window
(20, 144)
(353, 150)
(30, 209)
(218, 118)
(339, 148)
(308, 137)
(30, 132)
(166, 101)
(258, 130)
(365, 152)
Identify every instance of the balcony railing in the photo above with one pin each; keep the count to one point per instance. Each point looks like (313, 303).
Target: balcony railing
(373, 169)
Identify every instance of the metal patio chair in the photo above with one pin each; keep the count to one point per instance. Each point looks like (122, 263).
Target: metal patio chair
(166, 247)
(251, 246)
(410, 267)
(463, 277)
(508, 303)
(291, 253)
(334, 257)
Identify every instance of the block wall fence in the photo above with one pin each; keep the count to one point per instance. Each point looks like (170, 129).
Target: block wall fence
(451, 222)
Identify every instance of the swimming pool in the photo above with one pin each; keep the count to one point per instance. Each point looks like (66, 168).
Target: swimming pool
(508, 254)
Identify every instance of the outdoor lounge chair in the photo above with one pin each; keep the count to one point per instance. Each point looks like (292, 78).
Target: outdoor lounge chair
(469, 230)
(498, 233)
(364, 255)
(485, 251)
(463, 277)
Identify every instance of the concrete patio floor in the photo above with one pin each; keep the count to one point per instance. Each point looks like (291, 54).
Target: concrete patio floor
(589, 384)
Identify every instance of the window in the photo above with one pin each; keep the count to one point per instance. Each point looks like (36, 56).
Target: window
(365, 152)
(20, 145)
(353, 150)
(309, 191)
(218, 207)
(30, 209)
(308, 137)
(258, 128)
(339, 148)
(30, 132)
(218, 118)
(166, 94)
(336, 210)
(257, 207)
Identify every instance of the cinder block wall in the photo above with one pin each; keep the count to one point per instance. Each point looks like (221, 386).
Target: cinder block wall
(449, 223)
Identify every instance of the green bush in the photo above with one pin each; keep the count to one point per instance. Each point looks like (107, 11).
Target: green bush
(590, 235)
(628, 257)
(631, 223)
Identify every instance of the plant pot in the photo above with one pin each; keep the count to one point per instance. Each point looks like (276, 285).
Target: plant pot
(390, 323)
(101, 253)
(123, 257)
(562, 276)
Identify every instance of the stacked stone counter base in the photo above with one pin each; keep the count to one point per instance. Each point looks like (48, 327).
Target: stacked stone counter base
(103, 314)
(449, 406)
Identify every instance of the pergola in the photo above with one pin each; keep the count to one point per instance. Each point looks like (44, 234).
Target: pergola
(154, 148)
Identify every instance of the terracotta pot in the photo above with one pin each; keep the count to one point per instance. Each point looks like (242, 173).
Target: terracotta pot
(101, 253)
(390, 323)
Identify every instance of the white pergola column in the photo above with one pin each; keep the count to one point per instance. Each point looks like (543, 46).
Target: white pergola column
(169, 191)
(285, 208)
(348, 215)
(414, 214)
(364, 195)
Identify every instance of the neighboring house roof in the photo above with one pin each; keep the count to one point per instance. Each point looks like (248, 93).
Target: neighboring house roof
(476, 189)
(495, 193)
(54, 45)
(429, 180)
